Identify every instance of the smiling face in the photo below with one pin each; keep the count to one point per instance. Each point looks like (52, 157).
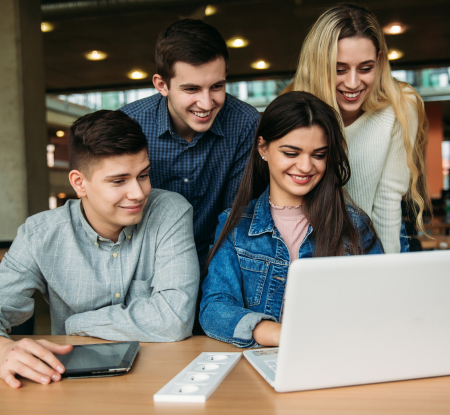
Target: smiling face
(115, 193)
(356, 73)
(297, 163)
(195, 96)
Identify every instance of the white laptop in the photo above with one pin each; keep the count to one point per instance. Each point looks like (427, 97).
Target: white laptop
(361, 319)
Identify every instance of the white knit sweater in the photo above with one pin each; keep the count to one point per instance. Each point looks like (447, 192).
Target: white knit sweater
(379, 170)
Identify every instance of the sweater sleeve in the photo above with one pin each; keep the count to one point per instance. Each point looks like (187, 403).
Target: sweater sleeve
(393, 184)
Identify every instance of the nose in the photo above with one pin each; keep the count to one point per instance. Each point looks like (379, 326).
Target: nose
(351, 80)
(304, 164)
(135, 191)
(205, 101)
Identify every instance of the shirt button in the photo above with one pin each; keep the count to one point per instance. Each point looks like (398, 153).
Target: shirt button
(101, 239)
(117, 295)
(129, 236)
(186, 180)
(115, 254)
(95, 243)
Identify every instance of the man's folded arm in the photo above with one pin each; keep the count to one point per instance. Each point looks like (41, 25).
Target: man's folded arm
(167, 313)
(20, 277)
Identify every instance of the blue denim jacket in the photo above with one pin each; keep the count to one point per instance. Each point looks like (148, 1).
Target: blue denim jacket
(247, 275)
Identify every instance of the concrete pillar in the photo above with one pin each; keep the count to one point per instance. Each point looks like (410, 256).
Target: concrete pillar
(24, 183)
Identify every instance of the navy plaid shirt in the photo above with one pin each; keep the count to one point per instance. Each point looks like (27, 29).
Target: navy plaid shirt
(208, 170)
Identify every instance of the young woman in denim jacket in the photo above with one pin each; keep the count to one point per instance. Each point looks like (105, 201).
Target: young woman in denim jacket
(298, 158)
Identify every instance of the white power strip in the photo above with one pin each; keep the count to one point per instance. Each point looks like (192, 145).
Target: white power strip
(197, 381)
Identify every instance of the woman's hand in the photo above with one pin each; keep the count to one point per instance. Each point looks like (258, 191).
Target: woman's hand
(267, 333)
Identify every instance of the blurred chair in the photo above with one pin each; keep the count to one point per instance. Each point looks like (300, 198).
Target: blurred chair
(414, 245)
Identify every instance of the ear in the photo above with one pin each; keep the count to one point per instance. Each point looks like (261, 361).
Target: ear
(378, 56)
(77, 180)
(262, 146)
(160, 85)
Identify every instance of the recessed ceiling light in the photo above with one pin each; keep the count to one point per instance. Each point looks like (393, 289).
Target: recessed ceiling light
(394, 29)
(60, 133)
(210, 10)
(260, 65)
(47, 27)
(237, 42)
(137, 74)
(95, 55)
(394, 54)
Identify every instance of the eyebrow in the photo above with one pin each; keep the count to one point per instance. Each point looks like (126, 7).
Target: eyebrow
(114, 176)
(222, 81)
(361, 63)
(300, 149)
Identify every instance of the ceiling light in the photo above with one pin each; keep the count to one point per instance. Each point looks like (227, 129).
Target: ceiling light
(210, 10)
(136, 74)
(237, 42)
(47, 27)
(95, 55)
(60, 133)
(394, 29)
(61, 195)
(394, 54)
(260, 65)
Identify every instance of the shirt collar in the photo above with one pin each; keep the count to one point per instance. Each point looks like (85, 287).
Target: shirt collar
(163, 120)
(164, 123)
(94, 237)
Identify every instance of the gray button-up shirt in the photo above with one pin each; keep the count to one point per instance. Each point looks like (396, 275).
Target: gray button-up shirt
(143, 287)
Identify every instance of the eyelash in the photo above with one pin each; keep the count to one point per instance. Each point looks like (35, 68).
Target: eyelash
(363, 70)
(214, 87)
(142, 177)
(319, 156)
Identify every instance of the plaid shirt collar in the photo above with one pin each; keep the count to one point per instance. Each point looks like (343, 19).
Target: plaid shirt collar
(164, 123)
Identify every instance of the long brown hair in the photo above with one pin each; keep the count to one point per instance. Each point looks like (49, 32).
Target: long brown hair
(324, 206)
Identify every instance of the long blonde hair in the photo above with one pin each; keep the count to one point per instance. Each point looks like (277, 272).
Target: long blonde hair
(316, 73)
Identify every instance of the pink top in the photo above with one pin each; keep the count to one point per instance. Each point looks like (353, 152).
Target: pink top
(292, 225)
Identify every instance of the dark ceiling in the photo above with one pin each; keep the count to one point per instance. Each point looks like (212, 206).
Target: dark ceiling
(127, 30)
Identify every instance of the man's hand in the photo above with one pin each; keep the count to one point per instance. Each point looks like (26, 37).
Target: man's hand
(26, 358)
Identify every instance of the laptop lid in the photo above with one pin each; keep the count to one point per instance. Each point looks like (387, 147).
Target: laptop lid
(365, 319)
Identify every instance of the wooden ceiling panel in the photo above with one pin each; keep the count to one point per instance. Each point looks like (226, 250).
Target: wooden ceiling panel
(275, 30)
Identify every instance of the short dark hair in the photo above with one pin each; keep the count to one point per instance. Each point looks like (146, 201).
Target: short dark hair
(102, 134)
(190, 41)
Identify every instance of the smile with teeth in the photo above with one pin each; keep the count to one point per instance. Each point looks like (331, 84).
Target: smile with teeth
(351, 94)
(304, 178)
(201, 114)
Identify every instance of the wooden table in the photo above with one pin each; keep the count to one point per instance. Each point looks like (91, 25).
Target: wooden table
(242, 392)
(438, 242)
(3, 251)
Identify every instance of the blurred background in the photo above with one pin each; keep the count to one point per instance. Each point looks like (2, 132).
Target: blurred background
(62, 59)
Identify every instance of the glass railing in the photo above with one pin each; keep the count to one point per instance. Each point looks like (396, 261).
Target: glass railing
(431, 84)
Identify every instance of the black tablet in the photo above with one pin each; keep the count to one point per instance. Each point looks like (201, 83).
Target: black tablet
(98, 360)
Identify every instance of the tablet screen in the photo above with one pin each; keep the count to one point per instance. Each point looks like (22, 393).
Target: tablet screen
(95, 356)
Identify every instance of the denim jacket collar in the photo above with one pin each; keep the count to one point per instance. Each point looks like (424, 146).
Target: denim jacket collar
(262, 218)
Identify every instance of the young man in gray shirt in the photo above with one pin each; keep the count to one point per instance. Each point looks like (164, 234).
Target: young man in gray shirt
(119, 263)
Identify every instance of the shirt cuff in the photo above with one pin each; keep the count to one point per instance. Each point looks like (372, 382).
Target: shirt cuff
(244, 329)
(71, 326)
(3, 334)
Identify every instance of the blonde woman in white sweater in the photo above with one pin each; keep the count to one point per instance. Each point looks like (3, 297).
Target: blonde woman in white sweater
(344, 62)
